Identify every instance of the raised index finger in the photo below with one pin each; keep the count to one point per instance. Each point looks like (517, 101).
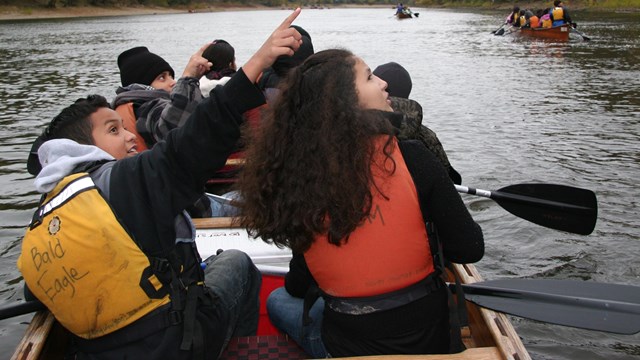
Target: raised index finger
(289, 20)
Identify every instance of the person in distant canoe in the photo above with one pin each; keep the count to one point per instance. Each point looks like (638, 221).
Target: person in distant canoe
(532, 20)
(545, 19)
(399, 9)
(327, 177)
(513, 17)
(559, 14)
(110, 250)
(410, 127)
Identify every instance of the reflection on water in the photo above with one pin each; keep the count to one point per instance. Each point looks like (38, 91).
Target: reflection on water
(508, 110)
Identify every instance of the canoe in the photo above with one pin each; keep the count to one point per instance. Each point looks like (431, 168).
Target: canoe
(555, 33)
(403, 15)
(490, 335)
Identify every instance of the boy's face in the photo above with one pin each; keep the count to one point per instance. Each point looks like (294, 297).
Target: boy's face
(164, 81)
(110, 135)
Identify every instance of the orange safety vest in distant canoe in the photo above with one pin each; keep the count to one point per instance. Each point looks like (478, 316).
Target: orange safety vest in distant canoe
(389, 251)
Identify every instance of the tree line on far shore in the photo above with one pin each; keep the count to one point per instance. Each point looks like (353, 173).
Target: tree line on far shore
(584, 4)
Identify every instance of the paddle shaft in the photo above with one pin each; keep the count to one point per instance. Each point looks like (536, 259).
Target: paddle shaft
(603, 307)
(585, 37)
(22, 308)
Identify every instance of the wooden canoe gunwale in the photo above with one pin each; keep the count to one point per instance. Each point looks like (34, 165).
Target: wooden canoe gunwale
(489, 336)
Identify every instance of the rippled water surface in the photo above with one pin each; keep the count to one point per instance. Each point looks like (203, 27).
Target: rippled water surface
(507, 110)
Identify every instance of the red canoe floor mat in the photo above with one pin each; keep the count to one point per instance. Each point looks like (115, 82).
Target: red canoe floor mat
(263, 347)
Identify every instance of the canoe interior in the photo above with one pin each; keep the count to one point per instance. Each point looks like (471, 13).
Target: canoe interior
(490, 335)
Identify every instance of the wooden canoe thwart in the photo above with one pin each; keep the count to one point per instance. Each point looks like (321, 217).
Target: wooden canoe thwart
(489, 336)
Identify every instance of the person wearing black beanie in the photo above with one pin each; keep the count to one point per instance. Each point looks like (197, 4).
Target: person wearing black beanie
(140, 66)
(410, 126)
(397, 77)
(151, 103)
(271, 77)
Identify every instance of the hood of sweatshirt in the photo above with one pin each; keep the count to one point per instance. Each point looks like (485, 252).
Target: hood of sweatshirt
(59, 157)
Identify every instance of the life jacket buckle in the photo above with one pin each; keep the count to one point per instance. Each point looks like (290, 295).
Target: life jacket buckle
(159, 265)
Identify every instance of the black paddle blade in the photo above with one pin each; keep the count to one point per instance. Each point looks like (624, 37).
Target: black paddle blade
(587, 305)
(499, 32)
(554, 206)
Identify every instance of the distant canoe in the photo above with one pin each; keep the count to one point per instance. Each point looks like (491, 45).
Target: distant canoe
(556, 33)
(403, 15)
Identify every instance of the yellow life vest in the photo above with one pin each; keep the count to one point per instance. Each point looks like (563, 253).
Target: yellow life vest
(522, 21)
(547, 23)
(82, 264)
(557, 14)
(389, 251)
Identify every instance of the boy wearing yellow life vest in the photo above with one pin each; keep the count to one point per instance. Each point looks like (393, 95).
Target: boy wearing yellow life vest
(110, 250)
(559, 14)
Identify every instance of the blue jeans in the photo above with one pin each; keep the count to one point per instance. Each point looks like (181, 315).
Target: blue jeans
(235, 281)
(285, 313)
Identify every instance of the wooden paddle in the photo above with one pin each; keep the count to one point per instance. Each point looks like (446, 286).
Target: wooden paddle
(554, 206)
(588, 305)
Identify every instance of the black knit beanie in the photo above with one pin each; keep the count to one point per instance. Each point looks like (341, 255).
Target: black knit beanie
(139, 66)
(284, 63)
(397, 78)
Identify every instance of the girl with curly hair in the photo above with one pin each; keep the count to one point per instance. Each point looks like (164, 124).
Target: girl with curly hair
(326, 177)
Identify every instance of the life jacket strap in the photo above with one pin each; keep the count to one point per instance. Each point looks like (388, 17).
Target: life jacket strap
(146, 326)
(372, 304)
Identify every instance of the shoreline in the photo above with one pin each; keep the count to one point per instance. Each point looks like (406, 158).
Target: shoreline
(19, 13)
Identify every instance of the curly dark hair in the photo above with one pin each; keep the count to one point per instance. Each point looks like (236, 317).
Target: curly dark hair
(308, 169)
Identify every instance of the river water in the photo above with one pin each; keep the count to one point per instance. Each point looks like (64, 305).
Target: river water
(507, 110)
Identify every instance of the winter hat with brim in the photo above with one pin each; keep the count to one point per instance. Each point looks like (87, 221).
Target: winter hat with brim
(398, 79)
(139, 66)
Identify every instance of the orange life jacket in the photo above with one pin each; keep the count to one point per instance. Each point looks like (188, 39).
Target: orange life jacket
(534, 22)
(129, 122)
(389, 251)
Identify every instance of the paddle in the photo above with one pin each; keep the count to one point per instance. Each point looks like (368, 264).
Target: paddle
(557, 207)
(573, 29)
(499, 31)
(10, 311)
(582, 304)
